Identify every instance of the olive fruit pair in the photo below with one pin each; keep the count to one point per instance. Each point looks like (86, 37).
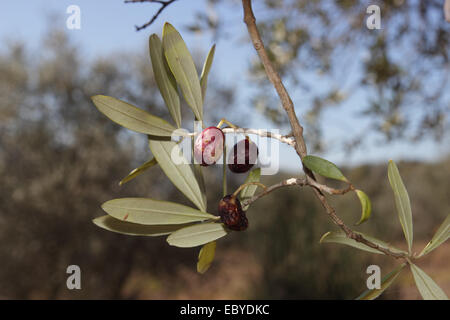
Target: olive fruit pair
(208, 148)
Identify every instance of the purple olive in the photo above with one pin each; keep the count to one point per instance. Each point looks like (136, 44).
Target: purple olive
(231, 213)
(208, 146)
(244, 156)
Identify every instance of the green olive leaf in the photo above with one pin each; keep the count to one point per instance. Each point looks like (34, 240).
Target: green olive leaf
(132, 118)
(174, 164)
(138, 171)
(323, 167)
(366, 206)
(205, 71)
(386, 282)
(249, 191)
(402, 202)
(182, 67)
(427, 287)
(341, 238)
(197, 235)
(206, 257)
(442, 234)
(133, 229)
(151, 212)
(164, 79)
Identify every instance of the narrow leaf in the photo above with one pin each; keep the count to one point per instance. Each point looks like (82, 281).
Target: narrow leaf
(165, 79)
(323, 167)
(401, 202)
(366, 206)
(197, 235)
(151, 212)
(133, 229)
(205, 71)
(427, 287)
(249, 191)
(132, 118)
(340, 237)
(206, 257)
(441, 235)
(183, 68)
(386, 282)
(179, 172)
(138, 171)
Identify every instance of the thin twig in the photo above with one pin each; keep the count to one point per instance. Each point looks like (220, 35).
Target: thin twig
(262, 133)
(306, 181)
(297, 129)
(164, 5)
(266, 191)
(327, 189)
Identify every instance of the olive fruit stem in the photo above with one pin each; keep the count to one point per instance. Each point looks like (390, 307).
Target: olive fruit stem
(242, 186)
(223, 120)
(224, 172)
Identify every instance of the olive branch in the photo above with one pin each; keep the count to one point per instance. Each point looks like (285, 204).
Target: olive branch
(185, 226)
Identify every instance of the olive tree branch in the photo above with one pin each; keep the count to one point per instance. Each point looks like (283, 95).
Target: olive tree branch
(266, 191)
(323, 188)
(306, 181)
(164, 5)
(297, 129)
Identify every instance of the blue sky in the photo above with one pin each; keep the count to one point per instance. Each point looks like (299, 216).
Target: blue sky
(108, 26)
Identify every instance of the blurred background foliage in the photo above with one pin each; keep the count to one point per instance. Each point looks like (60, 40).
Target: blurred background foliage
(327, 42)
(60, 159)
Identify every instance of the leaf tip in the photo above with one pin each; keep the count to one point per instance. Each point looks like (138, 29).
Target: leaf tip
(324, 236)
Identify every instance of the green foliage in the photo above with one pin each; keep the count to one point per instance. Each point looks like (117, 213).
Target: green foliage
(401, 202)
(134, 229)
(153, 212)
(172, 64)
(206, 257)
(182, 66)
(248, 191)
(181, 174)
(188, 227)
(427, 287)
(205, 71)
(132, 118)
(441, 235)
(387, 280)
(197, 235)
(165, 79)
(341, 237)
(323, 167)
(138, 171)
(366, 206)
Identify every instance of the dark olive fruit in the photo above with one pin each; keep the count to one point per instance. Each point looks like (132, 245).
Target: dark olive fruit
(208, 146)
(244, 156)
(231, 213)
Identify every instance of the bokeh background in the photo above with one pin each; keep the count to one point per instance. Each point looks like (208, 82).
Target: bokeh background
(364, 97)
